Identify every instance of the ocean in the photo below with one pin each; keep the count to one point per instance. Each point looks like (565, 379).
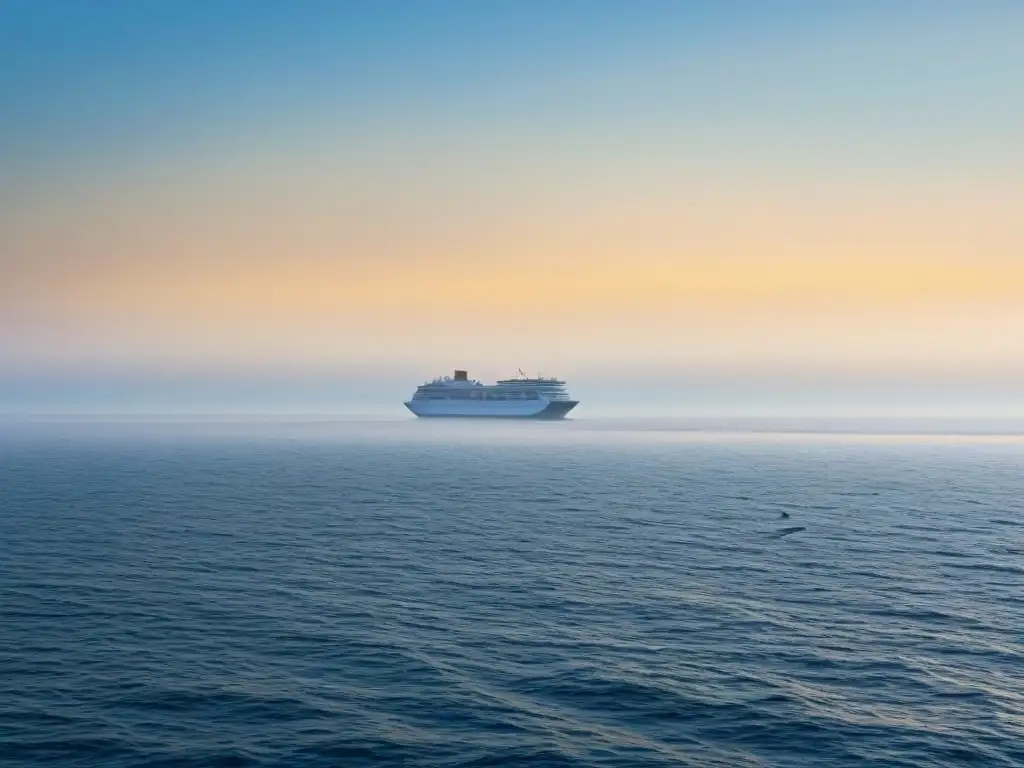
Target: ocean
(415, 593)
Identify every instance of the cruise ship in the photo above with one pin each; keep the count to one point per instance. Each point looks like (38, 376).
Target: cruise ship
(522, 398)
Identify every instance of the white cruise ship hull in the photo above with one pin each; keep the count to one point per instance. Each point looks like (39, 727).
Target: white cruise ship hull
(508, 409)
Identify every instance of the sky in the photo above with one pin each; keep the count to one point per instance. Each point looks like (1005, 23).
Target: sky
(317, 204)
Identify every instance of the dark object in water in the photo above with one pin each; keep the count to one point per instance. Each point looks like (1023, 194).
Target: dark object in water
(787, 531)
(784, 515)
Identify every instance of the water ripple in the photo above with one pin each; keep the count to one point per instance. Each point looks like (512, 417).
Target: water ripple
(197, 600)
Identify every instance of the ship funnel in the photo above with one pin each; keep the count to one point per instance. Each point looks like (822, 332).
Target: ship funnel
(462, 376)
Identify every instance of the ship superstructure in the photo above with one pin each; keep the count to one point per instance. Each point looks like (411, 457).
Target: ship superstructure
(524, 398)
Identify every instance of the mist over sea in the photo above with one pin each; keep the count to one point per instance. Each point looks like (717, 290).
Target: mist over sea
(632, 592)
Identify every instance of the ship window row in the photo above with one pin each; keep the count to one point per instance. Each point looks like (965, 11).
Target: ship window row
(489, 391)
(475, 395)
(542, 390)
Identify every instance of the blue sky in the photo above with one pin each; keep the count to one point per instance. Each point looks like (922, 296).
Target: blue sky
(96, 79)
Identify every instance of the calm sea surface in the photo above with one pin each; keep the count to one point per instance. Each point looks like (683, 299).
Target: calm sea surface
(413, 593)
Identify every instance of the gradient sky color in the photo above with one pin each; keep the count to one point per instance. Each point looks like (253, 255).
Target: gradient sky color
(739, 192)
